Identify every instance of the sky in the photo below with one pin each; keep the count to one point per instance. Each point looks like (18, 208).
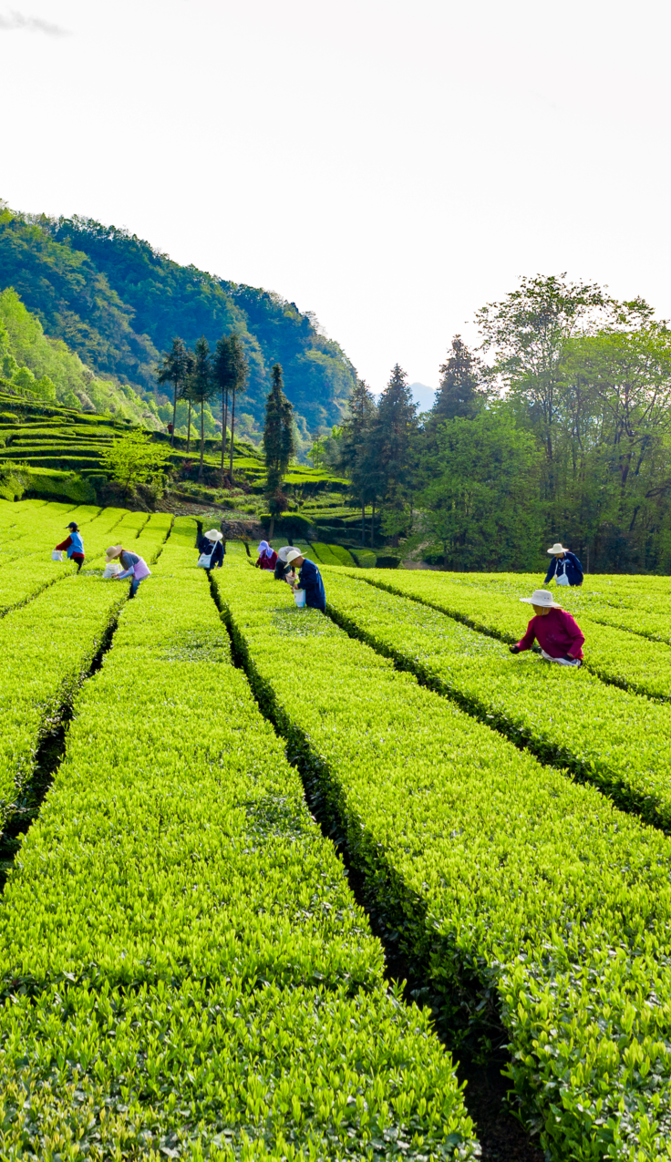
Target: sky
(391, 166)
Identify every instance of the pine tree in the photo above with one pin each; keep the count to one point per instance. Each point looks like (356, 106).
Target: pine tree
(352, 447)
(461, 393)
(230, 374)
(201, 387)
(278, 443)
(174, 369)
(391, 450)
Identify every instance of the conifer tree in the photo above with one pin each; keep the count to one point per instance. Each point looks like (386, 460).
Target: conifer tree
(353, 457)
(174, 369)
(278, 443)
(461, 393)
(391, 448)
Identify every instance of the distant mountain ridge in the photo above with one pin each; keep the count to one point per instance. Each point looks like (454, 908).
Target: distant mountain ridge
(118, 303)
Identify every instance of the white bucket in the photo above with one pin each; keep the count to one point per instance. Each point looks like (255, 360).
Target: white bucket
(112, 569)
(299, 598)
(56, 555)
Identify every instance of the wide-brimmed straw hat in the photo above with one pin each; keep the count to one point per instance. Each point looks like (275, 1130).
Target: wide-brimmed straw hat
(557, 549)
(114, 551)
(214, 535)
(541, 597)
(292, 555)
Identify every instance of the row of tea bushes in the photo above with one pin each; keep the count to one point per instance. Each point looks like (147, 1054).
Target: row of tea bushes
(502, 878)
(46, 648)
(614, 738)
(613, 654)
(26, 566)
(185, 972)
(184, 532)
(639, 605)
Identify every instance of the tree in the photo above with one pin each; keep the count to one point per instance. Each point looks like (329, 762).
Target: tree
(617, 414)
(278, 443)
(200, 387)
(389, 450)
(174, 369)
(230, 374)
(479, 503)
(135, 459)
(528, 331)
(352, 458)
(462, 391)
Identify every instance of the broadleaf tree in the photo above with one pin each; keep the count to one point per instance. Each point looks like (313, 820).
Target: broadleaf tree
(135, 458)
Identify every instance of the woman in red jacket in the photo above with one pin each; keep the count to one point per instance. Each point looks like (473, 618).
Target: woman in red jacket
(559, 636)
(267, 558)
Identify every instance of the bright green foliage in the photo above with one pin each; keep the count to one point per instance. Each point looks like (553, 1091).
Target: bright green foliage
(196, 979)
(613, 654)
(568, 717)
(134, 459)
(332, 554)
(30, 529)
(499, 876)
(54, 373)
(184, 532)
(343, 555)
(236, 551)
(46, 648)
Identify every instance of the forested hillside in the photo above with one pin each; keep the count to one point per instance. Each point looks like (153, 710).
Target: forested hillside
(118, 303)
(37, 368)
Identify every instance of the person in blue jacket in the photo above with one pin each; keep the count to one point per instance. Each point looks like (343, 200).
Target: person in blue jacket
(564, 567)
(310, 580)
(211, 545)
(73, 545)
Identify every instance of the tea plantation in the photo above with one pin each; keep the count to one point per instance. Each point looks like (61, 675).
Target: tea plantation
(186, 971)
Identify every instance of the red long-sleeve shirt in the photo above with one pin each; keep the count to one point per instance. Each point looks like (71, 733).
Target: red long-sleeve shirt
(556, 632)
(66, 545)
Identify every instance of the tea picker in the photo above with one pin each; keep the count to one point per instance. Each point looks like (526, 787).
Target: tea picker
(131, 565)
(557, 633)
(564, 567)
(267, 558)
(310, 583)
(211, 549)
(72, 545)
(281, 566)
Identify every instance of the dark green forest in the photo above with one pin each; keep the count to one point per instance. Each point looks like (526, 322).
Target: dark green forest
(558, 427)
(118, 303)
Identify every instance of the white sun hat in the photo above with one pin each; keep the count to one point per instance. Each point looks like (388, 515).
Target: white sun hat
(292, 555)
(214, 535)
(557, 549)
(541, 597)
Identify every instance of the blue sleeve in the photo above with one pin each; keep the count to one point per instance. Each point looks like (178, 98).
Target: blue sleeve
(576, 563)
(551, 571)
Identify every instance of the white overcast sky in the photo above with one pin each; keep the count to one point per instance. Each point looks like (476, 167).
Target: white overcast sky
(391, 165)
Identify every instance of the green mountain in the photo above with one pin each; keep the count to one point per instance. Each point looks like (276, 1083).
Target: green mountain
(118, 303)
(36, 368)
